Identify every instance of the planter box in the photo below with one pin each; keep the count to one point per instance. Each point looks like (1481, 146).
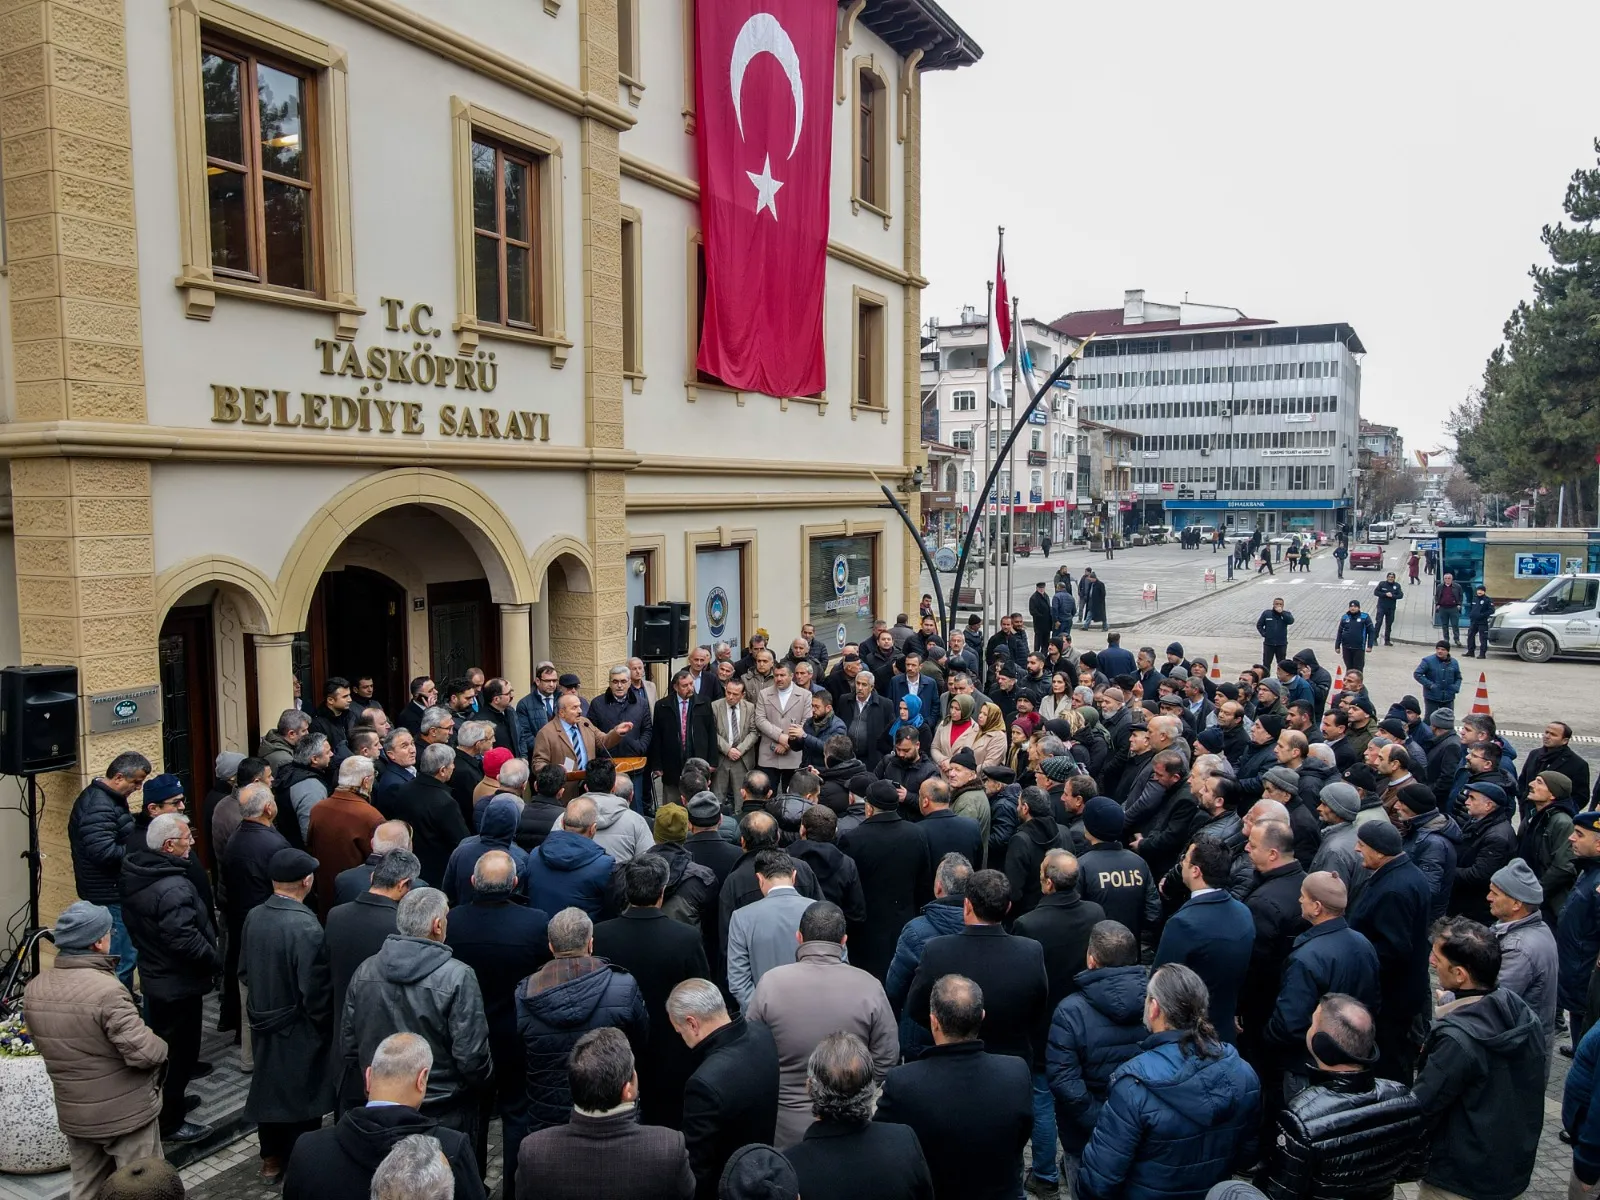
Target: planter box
(31, 1143)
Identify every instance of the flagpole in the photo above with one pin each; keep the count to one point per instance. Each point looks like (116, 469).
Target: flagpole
(989, 547)
(994, 544)
(1016, 476)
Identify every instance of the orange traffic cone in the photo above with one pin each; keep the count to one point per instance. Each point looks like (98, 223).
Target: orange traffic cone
(1216, 667)
(1480, 702)
(1338, 678)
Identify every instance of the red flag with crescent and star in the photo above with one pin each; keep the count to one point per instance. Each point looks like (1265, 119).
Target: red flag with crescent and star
(764, 119)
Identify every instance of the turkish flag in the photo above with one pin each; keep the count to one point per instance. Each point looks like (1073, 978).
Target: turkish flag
(764, 96)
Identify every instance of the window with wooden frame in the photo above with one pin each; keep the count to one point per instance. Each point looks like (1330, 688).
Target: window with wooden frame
(264, 195)
(870, 384)
(697, 305)
(688, 67)
(628, 50)
(633, 297)
(505, 260)
(260, 167)
(508, 232)
(871, 138)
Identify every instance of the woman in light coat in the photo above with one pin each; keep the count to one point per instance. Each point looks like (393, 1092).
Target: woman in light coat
(1057, 702)
(990, 744)
(958, 729)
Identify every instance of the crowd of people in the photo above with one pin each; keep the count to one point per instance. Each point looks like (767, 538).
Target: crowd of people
(910, 923)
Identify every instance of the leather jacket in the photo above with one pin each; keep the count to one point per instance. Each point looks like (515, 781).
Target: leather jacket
(1347, 1137)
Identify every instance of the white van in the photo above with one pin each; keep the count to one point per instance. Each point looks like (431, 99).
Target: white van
(1380, 532)
(1562, 617)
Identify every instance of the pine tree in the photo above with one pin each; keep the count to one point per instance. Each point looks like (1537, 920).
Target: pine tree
(1537, 417)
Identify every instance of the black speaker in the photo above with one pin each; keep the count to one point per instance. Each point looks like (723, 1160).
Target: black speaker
(652, 632)
(661, 631)
(680, 628)
(38, 719)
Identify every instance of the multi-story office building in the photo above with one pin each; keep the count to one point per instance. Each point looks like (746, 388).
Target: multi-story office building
(1239, 421)
(1039, 483)
(359, 338)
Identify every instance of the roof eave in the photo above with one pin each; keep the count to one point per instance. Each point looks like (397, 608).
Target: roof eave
(909, 25)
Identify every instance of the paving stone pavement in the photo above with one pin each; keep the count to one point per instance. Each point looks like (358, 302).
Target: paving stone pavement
(1179, 576)
(234, 1173)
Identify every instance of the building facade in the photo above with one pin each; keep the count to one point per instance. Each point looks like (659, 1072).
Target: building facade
(1239, 422)
(1105, 480)
(357, 337)
(1038, 486)
(1382, 447)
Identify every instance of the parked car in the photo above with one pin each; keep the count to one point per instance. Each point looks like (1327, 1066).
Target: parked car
(1562, 617)
(1023, 547)
(1367, 557)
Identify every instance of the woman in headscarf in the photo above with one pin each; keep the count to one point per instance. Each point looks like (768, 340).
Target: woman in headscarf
(911, 714)
(958, 730)
(1091, 737)
(989, 747)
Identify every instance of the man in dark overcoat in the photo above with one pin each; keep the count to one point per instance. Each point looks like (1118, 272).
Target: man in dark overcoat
(896, 877)
(283, 962)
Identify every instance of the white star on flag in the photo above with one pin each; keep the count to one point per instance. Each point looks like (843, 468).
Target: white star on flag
(766, 188)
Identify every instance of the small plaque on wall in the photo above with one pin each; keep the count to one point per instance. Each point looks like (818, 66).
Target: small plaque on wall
(111, 712)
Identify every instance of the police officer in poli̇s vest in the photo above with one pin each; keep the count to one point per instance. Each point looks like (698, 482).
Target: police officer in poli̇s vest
(1114, 877)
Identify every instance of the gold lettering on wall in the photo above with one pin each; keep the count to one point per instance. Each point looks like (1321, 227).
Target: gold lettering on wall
(419, 365)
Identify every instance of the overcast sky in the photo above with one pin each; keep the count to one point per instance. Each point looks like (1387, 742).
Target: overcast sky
(1385, 164)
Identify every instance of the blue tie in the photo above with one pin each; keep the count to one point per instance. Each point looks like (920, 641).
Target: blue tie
(577, 746)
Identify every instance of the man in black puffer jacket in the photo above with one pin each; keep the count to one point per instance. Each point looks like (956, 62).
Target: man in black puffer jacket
(1487, 843)
(97, 832)
(1036, 836)
(562, 1001)
(1214, 818)
(1349, 1133)
(341, 1159)
(176, 936)
(840, 766)
(1093, 1032)
(835, 870)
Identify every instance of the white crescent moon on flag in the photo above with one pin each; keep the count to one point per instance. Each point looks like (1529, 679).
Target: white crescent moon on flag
(762, 34)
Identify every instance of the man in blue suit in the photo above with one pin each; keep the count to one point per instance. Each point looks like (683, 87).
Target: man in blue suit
(539, 705)
(1212, 934)
(1328, 957)
(914, 683)
(1114, 660)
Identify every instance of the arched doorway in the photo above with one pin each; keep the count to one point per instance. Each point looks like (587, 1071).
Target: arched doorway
(406, 594)
(211, 609)
(450, 550)
(357, 627)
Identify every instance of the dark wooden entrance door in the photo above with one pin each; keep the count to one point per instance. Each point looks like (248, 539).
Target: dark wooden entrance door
(188, 709)
(463, 630)
(358, 627)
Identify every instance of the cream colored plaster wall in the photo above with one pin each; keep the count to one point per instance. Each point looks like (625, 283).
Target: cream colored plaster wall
(865, 230)
(523, 29)
(401, 138)
(779, 557)
(660, 133)
(253, 513)
(660, 418)
(540, 504)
